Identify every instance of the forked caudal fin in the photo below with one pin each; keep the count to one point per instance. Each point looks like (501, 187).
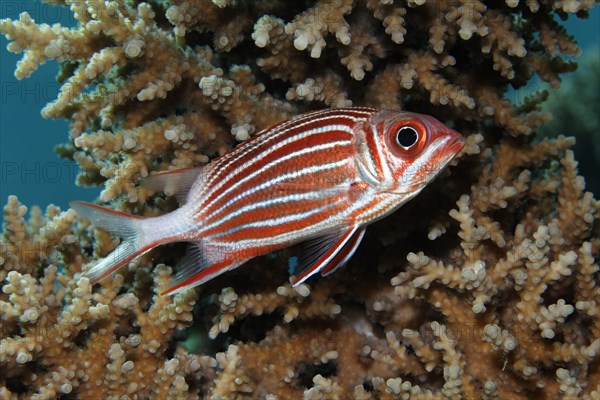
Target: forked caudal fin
(126, 226)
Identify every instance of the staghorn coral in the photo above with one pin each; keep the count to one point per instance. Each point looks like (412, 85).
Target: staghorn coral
(59, 338)
(581, 118)
(490, 317)
(128, 68)
(485, 286)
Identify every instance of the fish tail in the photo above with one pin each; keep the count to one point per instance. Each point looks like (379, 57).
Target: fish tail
(128, 227)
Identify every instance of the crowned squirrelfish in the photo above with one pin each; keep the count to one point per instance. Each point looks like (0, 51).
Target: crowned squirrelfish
(318, 178)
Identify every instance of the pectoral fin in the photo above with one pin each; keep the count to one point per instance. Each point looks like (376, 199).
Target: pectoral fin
(345, 253)
(326, 253)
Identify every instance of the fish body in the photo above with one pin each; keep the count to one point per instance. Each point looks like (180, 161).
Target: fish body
(318, 178)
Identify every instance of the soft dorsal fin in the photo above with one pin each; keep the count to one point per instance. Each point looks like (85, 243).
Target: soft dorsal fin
(176, 182)
(319, 252)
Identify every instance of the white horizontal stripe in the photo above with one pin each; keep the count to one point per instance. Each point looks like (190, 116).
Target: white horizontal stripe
(271, 222)
(277, 162)
(333, 222)
(305, 171)
(267, 137)
(296, 197)
(380, 208)
(224, 163)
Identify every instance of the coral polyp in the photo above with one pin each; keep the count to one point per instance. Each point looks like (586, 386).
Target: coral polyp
(484, 286)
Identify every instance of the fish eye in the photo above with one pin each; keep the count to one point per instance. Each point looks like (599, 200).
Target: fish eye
(407, 137)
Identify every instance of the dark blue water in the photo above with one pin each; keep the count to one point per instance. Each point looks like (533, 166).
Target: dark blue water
(28, 166)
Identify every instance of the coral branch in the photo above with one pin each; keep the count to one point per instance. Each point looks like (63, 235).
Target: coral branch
(484, 286)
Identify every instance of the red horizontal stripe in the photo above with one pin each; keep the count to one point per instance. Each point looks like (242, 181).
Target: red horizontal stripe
(226, 168)
(318, 157)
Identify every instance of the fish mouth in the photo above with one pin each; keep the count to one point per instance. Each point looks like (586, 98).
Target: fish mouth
(455, 144)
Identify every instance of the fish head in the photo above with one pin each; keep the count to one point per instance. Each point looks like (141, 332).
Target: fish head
(406, 150)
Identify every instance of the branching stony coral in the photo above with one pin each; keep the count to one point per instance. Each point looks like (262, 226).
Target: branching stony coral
(580, 120)
(128, 68)
(488, 316)
(485, 286)
(60, 338)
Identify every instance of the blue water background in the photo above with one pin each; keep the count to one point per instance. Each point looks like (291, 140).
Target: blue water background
(28, 166)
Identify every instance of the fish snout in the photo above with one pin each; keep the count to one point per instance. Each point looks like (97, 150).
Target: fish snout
(455, 142)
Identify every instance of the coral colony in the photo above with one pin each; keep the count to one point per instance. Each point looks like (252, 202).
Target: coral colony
(484, 286)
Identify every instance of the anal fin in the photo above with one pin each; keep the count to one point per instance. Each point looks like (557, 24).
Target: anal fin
(199, 265)
(327, 252)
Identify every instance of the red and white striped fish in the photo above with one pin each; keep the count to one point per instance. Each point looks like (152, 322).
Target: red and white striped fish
(319, 178)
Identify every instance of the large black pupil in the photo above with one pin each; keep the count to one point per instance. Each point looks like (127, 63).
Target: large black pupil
(406, 137)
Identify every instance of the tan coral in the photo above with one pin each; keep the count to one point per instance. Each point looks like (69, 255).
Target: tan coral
(49, 335)
(309, 27)
(23, 245)
(484, 286)
(327, 88)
